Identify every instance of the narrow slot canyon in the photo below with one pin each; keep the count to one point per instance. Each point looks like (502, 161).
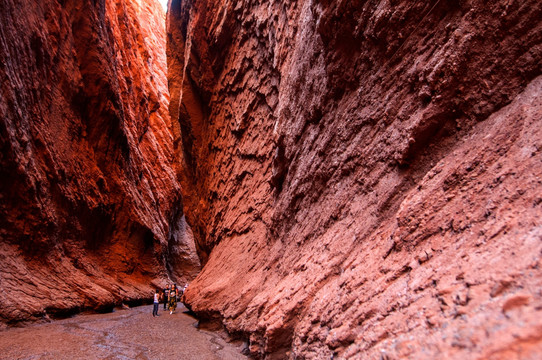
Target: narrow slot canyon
(91, 206)
(333, 179)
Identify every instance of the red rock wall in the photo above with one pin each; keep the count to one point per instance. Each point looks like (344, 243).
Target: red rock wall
(90, 208)
(363, 177)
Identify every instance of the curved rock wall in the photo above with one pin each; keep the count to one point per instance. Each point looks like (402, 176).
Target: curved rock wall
(90, 209)
(363, 177)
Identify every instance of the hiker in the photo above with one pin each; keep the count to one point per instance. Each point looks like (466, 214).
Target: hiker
(156, 302)
(166, 296)
(183, 291)
(172, 299)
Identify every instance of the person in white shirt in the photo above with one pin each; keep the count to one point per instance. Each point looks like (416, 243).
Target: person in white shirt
(156, 302)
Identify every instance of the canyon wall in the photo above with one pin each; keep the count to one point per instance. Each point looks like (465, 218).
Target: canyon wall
(90, 212)
(363, 178)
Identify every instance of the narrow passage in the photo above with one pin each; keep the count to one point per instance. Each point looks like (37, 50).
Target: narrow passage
(123, 334)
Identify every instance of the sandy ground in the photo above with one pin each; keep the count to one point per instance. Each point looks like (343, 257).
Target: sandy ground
(123, 334)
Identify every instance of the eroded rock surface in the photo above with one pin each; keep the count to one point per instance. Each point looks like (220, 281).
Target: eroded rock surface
(90, 208)
(363, 177)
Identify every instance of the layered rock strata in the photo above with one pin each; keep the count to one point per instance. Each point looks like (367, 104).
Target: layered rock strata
(90, 210)
(363, 177)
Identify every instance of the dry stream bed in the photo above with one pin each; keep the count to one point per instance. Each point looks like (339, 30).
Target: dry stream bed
(123, 334)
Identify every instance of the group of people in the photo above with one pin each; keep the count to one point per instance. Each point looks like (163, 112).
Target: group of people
(170, 295)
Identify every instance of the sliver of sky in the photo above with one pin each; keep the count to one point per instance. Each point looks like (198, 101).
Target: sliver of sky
(164, 4)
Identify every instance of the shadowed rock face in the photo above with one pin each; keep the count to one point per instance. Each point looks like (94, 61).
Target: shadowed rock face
(90, 209)
(363, 178)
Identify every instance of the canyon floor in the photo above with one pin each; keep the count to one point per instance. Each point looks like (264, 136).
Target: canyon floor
(124, 334)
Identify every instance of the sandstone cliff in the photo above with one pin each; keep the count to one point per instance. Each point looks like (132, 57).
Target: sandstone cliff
(90, 209)
(363, 177)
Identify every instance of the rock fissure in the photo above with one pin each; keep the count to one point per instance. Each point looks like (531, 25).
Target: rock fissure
(90, 206)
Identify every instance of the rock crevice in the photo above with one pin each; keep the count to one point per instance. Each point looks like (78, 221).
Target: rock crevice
(90, 201)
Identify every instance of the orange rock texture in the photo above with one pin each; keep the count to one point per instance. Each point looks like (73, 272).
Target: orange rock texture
(90, 208)
(363, 178)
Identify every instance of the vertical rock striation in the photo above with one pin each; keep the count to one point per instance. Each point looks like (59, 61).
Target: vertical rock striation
(90, 209)
(363, 177)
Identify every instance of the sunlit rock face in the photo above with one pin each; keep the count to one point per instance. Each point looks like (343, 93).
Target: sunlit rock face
(90, 210)
(363, 178)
